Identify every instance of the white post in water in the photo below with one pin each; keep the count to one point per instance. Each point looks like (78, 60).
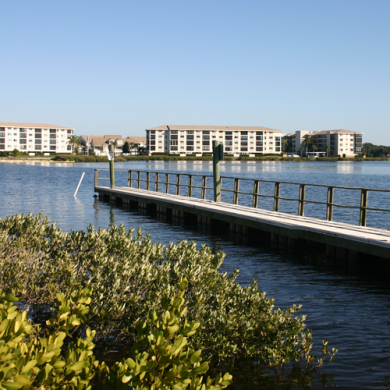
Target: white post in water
(78, 185)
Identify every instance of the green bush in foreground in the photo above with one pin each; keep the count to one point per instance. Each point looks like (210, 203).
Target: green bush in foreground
(130, 275)
(161, 359)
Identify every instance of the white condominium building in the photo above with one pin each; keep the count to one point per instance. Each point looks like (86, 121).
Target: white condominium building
(343, 143)
(34, 137)
(177, 139)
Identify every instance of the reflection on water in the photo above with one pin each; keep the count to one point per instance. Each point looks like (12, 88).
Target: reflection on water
(348, 306)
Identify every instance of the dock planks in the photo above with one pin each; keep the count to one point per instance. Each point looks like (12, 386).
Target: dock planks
(355, 239)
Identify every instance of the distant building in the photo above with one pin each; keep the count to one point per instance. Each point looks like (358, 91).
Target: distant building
(184, 139)
(99, 144)
(343, 143)
(35, 137)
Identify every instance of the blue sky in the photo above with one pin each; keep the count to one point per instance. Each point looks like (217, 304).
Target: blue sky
(121, 66)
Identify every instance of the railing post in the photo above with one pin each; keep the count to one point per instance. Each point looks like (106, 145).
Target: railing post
(217, 157)
(112, 172)
(363, 207)
(204, 184)
(147, 180)
(276, 197)
(329, 204)
(156, 185)
(130, 179)
(138, 179)
(256, 187)
(236, 189)
(189, 185)
(166, 183)
(178, 184)
(96, 184)
(301, 204)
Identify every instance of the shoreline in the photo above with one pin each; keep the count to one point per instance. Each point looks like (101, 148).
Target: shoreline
(100, 159)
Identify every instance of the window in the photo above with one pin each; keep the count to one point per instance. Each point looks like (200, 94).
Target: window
(174, 147)
(174, 142)
(52, 142)
(172, 132)
(37, 147)
(259, 148)
(69, 132)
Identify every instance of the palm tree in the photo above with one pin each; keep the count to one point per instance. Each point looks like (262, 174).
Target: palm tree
(285, 145)
(132, 146)
(73, 140)
(326, 147)
(307, 141)
(114, 143)
(301, 149)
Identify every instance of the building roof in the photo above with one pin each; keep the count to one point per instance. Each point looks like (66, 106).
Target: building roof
(219, 128)
(340, 131)
(101, 140)
(136, 139)
(33, 125)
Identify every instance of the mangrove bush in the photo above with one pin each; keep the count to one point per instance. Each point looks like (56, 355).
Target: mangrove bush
(129, 275)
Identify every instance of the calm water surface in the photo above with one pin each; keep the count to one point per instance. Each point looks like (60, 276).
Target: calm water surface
(349, 307)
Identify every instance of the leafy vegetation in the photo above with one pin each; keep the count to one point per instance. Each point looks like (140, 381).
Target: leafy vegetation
(371, 150)
(160, 360)
(129, 276)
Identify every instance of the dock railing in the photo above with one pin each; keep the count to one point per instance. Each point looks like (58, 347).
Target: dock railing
(160, 182)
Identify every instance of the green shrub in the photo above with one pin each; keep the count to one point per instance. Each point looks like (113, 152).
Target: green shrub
(57, 357)
(89, 159)
(32, 358)
(129, 274)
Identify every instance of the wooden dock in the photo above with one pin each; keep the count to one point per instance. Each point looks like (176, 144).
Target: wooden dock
(341, 240)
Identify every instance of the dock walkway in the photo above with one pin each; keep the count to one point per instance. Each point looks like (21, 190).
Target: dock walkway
(341, 239)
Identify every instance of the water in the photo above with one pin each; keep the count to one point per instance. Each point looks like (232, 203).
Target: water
(351, 308)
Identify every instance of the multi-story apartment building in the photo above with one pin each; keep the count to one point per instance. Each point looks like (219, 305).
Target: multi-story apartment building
(177, 139)
(344, 143)
(34, 137)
